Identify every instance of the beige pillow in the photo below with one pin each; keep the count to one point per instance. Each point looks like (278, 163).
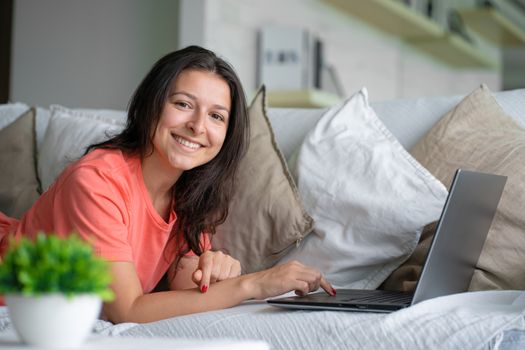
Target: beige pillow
(19, 184)
(478, 135)
(405, 277)
(265, 217)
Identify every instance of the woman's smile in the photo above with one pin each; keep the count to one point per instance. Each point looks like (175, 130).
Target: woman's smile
(186, 143)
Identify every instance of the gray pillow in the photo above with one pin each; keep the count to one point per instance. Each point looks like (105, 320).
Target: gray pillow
(19, 185)
(266, 217)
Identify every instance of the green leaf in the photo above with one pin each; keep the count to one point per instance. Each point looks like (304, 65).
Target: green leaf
(50, 264)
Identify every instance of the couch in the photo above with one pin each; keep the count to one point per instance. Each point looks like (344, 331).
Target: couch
(352, 189)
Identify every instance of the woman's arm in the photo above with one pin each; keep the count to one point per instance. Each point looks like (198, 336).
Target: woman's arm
(131, 305)
(180, 276)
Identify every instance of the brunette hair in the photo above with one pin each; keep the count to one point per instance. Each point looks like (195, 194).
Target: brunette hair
(202, 194)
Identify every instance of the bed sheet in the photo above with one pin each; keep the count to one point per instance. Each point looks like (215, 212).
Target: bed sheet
(476, 320)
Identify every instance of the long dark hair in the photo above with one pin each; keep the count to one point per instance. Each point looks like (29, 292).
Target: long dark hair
(202, 194)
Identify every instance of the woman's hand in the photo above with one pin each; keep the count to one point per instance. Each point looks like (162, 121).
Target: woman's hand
(214, 267)
(284, 278)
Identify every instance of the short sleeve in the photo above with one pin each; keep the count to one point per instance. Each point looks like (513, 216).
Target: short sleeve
(93, 204)
(8, 227)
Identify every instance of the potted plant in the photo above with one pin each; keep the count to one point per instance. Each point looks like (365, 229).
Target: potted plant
(53, 289)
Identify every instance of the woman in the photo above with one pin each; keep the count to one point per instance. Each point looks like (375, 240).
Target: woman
(149, 197)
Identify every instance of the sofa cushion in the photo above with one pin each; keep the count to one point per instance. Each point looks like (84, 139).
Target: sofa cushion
(410, 119)
(9, 112)
(405, 277)
(266, 217)
(19, 184)
(290, 126)
(68, 134)
(478, 135)
(369, 198)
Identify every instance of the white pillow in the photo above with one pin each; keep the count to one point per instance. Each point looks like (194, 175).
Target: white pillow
(290, 126)
(68, 134)
(41, 122)
(369, 198)
(9, 112)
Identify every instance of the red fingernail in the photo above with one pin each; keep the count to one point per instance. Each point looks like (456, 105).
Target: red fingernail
(204, 289)
(334, 292)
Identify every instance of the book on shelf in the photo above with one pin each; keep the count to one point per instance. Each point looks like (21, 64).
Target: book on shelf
(293, 59)
(289, 58)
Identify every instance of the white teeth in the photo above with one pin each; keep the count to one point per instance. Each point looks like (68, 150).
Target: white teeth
(186, 143)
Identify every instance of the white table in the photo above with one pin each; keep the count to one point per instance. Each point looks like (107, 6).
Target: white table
(9, 340)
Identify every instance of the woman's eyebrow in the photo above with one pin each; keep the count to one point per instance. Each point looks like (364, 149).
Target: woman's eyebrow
(222, 108)
(193, 97)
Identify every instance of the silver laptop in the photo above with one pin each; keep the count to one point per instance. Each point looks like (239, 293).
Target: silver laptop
(451, 260)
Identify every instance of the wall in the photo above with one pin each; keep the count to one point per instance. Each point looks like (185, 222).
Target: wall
(94, 53)
(87, 53)
(362, 55)
(514, 68)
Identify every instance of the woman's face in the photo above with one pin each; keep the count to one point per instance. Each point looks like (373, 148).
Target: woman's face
(193, 123)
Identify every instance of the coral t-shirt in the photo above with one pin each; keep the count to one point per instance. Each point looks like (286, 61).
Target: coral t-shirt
(103, 198)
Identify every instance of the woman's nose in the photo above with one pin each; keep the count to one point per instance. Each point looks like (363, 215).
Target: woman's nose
(197, 123)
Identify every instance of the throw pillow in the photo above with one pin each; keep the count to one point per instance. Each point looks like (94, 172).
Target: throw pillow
(266, 217)
(68, 134)
(478, 135)
(41, 122)
(9, 112)
(369, 198)
(289, 138)
(18, 179)
(405, 277)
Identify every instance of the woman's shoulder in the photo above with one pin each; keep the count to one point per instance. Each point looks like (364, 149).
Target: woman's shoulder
(103, 164)
(104, 157)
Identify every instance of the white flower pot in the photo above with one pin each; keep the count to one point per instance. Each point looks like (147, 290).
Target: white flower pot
(53, 320)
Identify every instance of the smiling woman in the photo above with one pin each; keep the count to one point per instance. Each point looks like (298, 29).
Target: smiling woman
(149, 197)
(193, 123)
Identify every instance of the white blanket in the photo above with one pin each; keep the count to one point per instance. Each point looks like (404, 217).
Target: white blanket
(461, 321)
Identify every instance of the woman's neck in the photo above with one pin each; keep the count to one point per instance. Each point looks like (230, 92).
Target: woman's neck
(159, 180)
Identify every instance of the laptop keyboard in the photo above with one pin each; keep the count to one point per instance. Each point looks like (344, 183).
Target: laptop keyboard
(376, 296)
(395, 299)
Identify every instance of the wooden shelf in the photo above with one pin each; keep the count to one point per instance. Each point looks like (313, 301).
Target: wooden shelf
(389, 15)
(301, 99)
(455, 51)
(493, 26)
(398, 19)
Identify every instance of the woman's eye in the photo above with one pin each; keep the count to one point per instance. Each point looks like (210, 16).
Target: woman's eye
(182, 104)
(217, 116)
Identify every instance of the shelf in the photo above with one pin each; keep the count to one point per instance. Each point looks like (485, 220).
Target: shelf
(390, 16)
(397, 19)
(301, 99)
(493, 26)
(455, 51)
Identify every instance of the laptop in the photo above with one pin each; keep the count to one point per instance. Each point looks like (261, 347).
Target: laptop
(451, 259)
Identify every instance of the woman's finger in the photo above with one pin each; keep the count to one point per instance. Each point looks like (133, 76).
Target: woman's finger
(302, 288)
(315, 279)
(327, 287)
(218, 265)
(299, 293)
(236, 269)
(196, 277)
(225, 272)
(206, 265)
